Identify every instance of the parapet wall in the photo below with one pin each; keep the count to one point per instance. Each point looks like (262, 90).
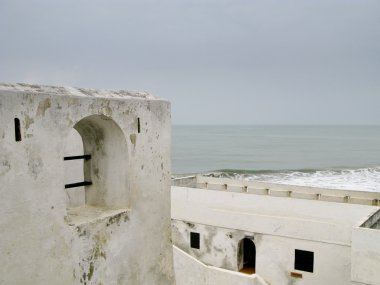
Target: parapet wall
(290, 191)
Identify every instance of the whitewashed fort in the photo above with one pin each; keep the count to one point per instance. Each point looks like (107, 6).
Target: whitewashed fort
(86, 198)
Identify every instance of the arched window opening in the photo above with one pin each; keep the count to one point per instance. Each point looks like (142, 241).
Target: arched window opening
(17, 130)
(247, 256)
(101, 154)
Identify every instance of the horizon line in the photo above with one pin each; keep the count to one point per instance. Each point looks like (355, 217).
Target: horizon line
(306, 125)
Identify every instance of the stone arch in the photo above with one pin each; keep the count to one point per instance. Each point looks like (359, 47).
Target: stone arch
(106, 170)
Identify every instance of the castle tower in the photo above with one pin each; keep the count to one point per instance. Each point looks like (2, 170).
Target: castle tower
(84, 186)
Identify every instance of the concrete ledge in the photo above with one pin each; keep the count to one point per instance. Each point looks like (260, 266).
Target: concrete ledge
(88, 214)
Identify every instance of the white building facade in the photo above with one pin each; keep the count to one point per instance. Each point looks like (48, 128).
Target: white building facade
(278, 232)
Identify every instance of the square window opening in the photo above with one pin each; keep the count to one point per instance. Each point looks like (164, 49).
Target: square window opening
(304, 260)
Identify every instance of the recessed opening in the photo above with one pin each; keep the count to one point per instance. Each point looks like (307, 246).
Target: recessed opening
(138, 125)
(96, 164)
(194, 240)
(17, 130)
(304, 260)
(247, 256)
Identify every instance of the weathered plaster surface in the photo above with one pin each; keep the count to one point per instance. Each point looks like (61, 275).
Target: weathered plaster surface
(190, 271)
(278, 226)
(365, 251)
(53, 236)
(218, 246)
(274, 254)
(294, 218)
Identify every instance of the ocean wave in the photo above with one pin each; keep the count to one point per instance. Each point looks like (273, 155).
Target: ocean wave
(362, 179)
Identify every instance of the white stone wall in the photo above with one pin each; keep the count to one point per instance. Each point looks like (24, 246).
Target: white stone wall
(274, 254)
(189, 271)
(278, 226)
(122, 238)
(366, 255)
(218, 246)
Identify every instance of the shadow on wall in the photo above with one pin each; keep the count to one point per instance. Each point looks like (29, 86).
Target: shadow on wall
(96, 164)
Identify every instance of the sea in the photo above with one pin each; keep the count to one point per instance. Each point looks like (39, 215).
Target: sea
(337, 157)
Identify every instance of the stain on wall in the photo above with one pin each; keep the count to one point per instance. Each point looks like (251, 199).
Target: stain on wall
(43, 106)
(218, 246)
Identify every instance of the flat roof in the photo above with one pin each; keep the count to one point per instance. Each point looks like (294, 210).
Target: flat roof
(74, 91)
(281, 216)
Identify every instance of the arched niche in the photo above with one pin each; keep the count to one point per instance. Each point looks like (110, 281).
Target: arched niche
(105, 167)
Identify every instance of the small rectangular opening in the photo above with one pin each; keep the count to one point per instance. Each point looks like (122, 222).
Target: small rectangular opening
(194, 240)
(17, 130)
(78, 184)
(304, 260)
(138, 125)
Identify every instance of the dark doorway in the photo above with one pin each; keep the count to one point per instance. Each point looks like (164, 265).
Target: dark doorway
(247, 256)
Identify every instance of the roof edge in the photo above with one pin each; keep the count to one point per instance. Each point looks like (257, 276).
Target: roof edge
(75, 91)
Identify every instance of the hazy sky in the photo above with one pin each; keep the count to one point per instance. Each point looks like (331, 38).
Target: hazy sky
(226, 62)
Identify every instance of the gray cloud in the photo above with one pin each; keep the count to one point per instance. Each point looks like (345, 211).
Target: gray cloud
(228, 62)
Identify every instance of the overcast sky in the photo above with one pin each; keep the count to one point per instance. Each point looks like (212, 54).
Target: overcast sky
(218, 62)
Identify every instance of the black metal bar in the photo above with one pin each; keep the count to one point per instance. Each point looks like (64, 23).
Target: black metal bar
(78, 184)
(86, 157)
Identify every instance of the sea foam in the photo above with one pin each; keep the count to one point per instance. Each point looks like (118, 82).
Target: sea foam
(363, 179)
